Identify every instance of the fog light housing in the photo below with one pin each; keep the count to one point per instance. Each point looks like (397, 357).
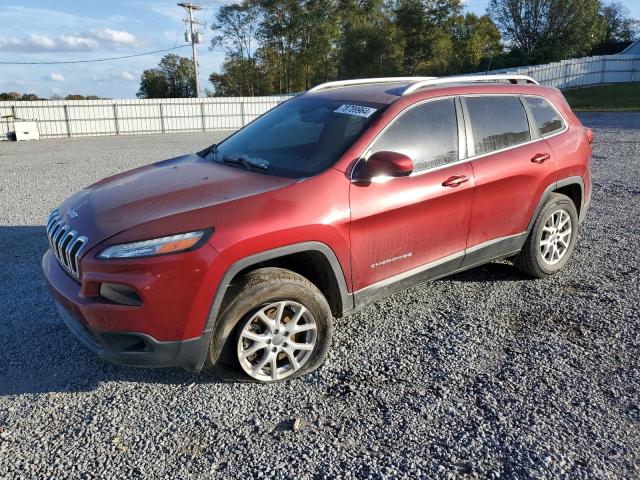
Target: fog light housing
(120, 294)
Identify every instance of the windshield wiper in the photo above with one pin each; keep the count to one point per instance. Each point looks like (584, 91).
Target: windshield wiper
(208, 151)
(247, 162)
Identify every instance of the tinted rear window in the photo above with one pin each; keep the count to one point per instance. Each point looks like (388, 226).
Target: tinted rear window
(546, 117)
(497, 122)
(427, 133)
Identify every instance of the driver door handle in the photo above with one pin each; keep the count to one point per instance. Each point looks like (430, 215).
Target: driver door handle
(455, 181)
(540, 158)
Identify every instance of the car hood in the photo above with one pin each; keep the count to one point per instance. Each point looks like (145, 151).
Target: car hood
(159, 191)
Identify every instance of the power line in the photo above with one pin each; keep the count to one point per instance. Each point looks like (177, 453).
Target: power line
(94, 60)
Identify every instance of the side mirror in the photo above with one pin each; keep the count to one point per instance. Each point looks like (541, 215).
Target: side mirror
(390, 164)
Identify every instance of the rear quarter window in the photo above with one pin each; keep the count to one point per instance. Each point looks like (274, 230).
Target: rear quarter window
(497, 122)
(546, 117)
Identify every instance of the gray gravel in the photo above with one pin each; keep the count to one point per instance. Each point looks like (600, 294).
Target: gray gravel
(485, 374)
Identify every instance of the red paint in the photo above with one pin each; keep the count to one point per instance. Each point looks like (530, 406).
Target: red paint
(414, 220)
(416, 215)
(391, 164)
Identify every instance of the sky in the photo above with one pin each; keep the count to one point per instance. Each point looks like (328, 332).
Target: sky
(69, 30)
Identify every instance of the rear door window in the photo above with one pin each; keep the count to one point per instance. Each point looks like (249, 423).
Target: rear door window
(547, 118)
(497, 122)
(427, 133)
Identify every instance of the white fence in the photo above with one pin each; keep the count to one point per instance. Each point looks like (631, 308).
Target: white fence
(581, 72)
(79, 118)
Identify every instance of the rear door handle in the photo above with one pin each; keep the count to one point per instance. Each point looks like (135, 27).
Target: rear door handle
(540, 158)
(455, 181)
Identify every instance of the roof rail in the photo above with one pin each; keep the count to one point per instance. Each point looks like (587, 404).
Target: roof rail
(366, 81)
(468, 78)
(420, 82)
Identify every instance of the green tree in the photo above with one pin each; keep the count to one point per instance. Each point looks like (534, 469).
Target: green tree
(316, 50)
(232, 80)
(173, 78)
(549, 30)
(369, 44)
(426, 28)
(280, 46)
(476, 39)
(9, 96)
(29, 97)
(619, 26)
(82, 97)
(235, 29)
(280, 32)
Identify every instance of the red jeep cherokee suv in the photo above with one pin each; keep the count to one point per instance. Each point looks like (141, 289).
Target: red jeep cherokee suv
(335, 198)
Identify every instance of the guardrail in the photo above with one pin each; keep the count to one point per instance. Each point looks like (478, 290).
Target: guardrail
(80, 118)
(582, 72)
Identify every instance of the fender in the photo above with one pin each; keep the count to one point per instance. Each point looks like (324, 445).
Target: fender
(210, 325)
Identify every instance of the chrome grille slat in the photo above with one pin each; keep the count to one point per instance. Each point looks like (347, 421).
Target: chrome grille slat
(58, 241)
(52, 234)
(82, 242)
(65, 243)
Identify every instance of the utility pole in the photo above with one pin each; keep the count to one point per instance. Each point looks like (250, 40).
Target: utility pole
(193, 37)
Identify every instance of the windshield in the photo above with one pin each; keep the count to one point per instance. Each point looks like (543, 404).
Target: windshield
(299, 138)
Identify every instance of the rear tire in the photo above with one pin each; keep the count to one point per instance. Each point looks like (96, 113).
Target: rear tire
(552, 238)
(280, 323)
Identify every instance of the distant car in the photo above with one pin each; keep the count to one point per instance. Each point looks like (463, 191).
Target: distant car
(335, 198)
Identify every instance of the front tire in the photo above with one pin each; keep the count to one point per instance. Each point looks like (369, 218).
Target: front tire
(552, 238)
(281, 326)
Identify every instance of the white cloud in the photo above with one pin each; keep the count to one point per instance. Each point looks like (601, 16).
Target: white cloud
(41, 41)
(57, 77)
(108, 35)
(37, 43)
(127, 76)
(75, 42)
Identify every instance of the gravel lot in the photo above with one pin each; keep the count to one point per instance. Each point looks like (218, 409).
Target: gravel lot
(485, 374)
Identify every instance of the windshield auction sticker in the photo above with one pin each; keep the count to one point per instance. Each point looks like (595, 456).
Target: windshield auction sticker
(357, 110)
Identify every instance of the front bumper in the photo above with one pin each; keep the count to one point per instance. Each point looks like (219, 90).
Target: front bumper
(138, 349)
(167, 330)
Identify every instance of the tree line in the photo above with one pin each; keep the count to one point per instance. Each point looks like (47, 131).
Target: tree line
(284, 46)
(30, 97)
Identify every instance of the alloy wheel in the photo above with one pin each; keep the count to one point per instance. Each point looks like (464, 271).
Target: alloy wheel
(556, 237)
(277, 340)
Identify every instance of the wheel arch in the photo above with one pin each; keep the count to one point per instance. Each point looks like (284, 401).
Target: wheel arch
(572, 187)
(573, 190)
(315, 261)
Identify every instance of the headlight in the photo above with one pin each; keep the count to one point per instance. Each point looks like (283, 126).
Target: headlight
(156, 246)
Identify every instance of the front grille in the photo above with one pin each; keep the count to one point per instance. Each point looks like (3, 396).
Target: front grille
(65, 243)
